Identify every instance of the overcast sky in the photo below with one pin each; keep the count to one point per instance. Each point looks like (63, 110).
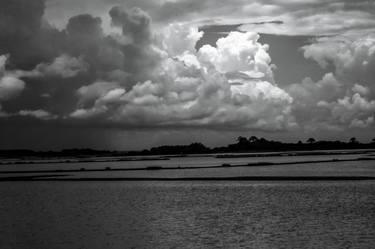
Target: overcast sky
(132, 74)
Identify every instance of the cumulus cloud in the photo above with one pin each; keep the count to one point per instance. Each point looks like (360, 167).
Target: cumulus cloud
(355, 110)
(188, 37)
(331, 104)
(39, 114)
(239, 52)
(130, 69)
(308, 93)
(356, 123)
(10, 85)
(227, 86)
(135, 23)
(352, 56)
(344, 52)
(64, 66)
(349, 101)
(362, 90)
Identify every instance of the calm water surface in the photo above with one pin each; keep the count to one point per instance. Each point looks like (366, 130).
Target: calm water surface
(187, 215)
(188, 161)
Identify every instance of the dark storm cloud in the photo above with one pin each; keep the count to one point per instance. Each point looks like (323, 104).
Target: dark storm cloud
(36, 54)
(25, 17)
(24, 34)
(135, 23)
(55, 63)
(85, 37)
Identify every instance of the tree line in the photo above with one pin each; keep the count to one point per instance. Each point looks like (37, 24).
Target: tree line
(242, 144)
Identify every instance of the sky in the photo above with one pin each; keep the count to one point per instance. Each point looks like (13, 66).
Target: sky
(133, 74)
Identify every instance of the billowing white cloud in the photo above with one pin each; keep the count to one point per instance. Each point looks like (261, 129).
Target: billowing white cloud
(349, 99)
(178, 38)
(353, 58)
(345, 52)
(227, 86)
(239, 52)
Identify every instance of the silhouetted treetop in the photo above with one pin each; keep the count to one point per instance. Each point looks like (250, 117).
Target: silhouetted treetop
(353, 140)
(311, 140)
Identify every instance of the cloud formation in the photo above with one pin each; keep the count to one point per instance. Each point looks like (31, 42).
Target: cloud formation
(39, 114)
(293, 17)
(347, 93)
(353, 57)
(10, 85)
(227, 86)
(64, 66)
(138, 65)
(356, 110)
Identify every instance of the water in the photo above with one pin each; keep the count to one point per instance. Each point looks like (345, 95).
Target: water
(351, 168)
(187, 215)
(189, 161)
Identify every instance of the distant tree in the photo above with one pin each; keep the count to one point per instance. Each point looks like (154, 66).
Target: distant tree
(253, 139)
(263, 140)
(373, 140)
(299, 142)
(311, 140)
(353, 140)
(242, 140)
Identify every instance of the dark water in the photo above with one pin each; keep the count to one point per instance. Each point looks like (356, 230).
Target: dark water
(187, 215)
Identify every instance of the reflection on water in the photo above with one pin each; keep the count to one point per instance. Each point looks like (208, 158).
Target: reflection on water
(187, 215)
